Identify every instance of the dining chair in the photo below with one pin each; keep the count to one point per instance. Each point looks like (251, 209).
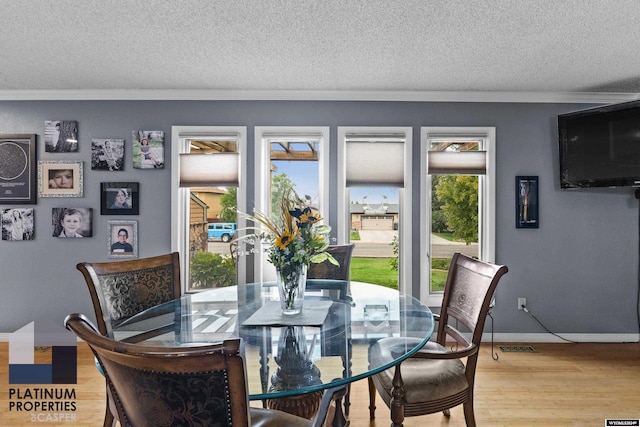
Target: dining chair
(182, 386)
(436, 379)
(122, 289)
(327, 270)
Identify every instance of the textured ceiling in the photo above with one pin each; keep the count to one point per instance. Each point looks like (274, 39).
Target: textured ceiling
(321, 45)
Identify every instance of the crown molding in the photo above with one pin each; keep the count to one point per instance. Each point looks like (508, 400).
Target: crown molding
(316, 95)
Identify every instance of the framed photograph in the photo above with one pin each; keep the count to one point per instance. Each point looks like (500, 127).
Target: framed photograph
(60, 178)
(148, 149)
(107, 154)
(18, 169)
(122, 239)
(72, 222)
(17, 224)
(527, 202)
(119, 198)
(60, 136)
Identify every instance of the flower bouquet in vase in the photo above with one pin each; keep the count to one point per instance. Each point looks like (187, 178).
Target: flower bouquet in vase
(295, 238)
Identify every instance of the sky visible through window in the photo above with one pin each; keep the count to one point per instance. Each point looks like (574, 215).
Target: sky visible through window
(305, 176)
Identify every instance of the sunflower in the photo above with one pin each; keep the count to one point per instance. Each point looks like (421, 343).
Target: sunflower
(283, 240)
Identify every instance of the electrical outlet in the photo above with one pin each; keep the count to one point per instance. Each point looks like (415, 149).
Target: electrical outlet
(522, 302)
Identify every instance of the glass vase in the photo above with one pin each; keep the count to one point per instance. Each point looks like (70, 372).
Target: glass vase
(291, 285)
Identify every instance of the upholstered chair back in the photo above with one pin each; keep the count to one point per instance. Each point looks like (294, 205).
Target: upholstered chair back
(122, 289)
(327, 270)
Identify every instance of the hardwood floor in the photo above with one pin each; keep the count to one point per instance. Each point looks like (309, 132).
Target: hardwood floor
(559, 385)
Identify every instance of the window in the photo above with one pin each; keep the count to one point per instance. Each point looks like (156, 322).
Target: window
(460, 162)
(290, 157)
(206, 183)
(374, 203)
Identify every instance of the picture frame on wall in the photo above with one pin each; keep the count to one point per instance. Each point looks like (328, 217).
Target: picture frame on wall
(148, 149)
(18, 224)
(18, 169)
(70, 222)
(527, 202)
(107, 154)
(119, 198)
(60, 178)
(60, 136)
(122, 239)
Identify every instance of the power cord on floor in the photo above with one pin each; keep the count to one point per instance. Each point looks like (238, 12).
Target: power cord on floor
(526, 310)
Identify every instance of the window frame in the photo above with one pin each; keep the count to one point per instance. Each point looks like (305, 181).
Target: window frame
(180, 196)
(262, 194)
(486, 201)
(405, 204)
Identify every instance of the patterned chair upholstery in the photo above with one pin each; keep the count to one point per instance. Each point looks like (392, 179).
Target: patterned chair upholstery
(122, 289)
(182, 386)
(327, 270)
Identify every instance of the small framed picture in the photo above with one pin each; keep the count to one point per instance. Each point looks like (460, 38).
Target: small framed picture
(107, 154)
(60, 179)
(119, 198)
(72, 222)
(60, 136)
(148, 149)
(527, 202)
(18, 169)
(122, 239)
(17, 224)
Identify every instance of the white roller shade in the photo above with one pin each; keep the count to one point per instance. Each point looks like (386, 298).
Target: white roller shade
(457, 162)
(375, 163)
(213, 169)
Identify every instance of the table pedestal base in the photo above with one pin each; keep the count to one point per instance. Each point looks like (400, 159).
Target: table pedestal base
(304, 405)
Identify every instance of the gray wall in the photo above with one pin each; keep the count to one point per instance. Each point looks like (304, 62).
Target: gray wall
(579, 268)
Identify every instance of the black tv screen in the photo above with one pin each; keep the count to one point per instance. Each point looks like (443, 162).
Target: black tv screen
(600, 147)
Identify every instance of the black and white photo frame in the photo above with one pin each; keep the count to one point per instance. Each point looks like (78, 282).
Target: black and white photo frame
(60, 136)
(18, 224)
(72, 222)
(107, 154)
(119, 198)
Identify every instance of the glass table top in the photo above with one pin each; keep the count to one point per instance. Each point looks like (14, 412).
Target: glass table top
(325, 346)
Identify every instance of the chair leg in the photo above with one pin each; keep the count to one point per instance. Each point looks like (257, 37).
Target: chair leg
(347, 401)
(109, 420)
(469, 416)
(447, 413)
(372, 399)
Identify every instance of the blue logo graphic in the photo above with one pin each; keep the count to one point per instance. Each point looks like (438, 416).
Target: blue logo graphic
(64, 355)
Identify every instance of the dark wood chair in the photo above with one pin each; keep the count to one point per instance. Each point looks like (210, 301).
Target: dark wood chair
(339, 290)
(436, 379)
(327, 270)
(182, 386)
(122, 289)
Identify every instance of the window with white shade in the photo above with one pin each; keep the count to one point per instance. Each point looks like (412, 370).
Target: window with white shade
(374, 203)
(457, 199)
(295, 157)
(207, 189)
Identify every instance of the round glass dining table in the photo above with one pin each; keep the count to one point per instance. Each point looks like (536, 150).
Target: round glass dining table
(291, 355)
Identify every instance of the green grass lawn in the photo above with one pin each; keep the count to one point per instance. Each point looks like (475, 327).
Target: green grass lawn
(378, 271)
(374, 270)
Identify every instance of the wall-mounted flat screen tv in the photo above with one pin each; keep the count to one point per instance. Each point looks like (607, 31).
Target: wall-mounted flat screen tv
(600, 147)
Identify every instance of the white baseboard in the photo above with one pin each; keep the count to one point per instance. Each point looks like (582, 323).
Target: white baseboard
(549, 338)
